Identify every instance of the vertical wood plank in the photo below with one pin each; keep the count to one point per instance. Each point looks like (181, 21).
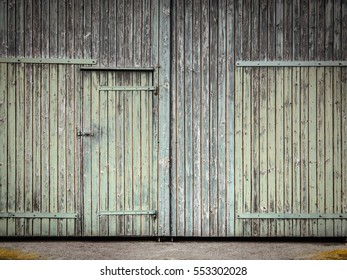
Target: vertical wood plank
(263, 119)
(221, 118)
(174, 116)
(238, 125)
(4, 125)
(247, 149)
(103, 184)
(296, 149)
(271, 147)
(112, 133)
(196, 87)
(4, 121)
(205, 132)
(230, 117)
(164, 117)
(288, 156)
(11, 147)
(279, 117)
(320, 149)
(188, 122)
(213, 121)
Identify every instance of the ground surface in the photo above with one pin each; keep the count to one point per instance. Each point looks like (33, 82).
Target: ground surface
(183, 250)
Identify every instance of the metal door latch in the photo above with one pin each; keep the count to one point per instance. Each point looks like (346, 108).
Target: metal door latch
(84, 133)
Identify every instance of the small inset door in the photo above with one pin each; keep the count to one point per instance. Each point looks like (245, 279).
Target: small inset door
(118, 141)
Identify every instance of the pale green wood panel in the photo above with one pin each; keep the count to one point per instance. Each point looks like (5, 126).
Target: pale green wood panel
(271, 147)
(94, 127)
(288, 156)
(112, 155)
(103, 184)
(321, 179)
(279, 148)
(296, 148)
(221, 119)
(263, 149)
(3, 145)
(53, 147)
(19, 140)
(312, 142)
(196, 100)
(304, 148)
(337, 148)
(247, 149)
(164, 117)
(329, 149)
(238, 136)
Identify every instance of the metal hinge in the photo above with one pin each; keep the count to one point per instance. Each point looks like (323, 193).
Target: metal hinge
(84, 133)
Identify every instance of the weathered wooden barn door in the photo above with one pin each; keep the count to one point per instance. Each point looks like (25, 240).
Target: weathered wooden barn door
(117, 153)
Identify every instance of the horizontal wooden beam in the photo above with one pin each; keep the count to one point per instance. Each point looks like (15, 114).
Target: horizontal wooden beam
(121, 213)
(46, 60)
(291, 216)
(38, 215)
(116, 68)
(291, 63)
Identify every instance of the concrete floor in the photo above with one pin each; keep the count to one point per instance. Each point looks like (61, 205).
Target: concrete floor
(179, 250)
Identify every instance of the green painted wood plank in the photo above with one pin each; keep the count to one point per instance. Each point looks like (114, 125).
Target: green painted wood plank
(62, 92)
(196, 100)
(86, 156)
(337, 147)
(73, 228)
(174, 117)
(329, 149)
(20, 152)
(271, 147)
(279, 119)
(120, 150)
(180, 123)
(221, 119)
(344, 142)
(62, 148)
(188, 119)
(128, 156)
(296, 148)
(112, 131)
(146, 130)
(230, 98)
(4, 124)
(205, 131)
(247, 149)
(53, 146)
(304, 142)
(11, 146)
(137, 146)
(28, 129)
(288, 149)
(239, 148)
(45, 150)
(104, 156)
(155, 118)
(312, 141)
(213, 116)
(37, 186)
(164, 118)
(95, 153)
(263, 118)
(263, 149)
(254, 148)
(321, 179)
